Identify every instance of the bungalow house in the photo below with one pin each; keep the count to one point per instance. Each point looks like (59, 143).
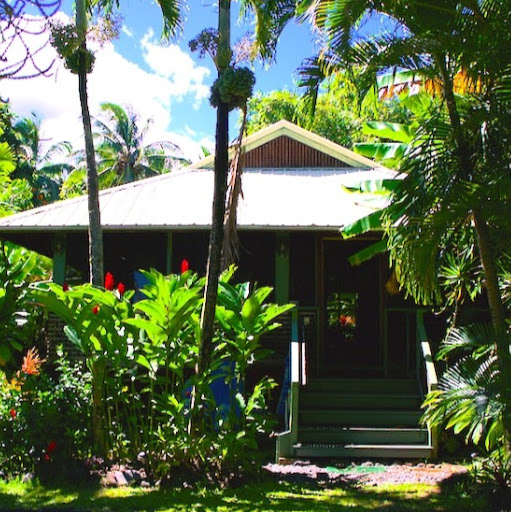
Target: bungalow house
(359, 363)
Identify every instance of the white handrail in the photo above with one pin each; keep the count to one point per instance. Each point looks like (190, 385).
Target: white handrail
(431, 376)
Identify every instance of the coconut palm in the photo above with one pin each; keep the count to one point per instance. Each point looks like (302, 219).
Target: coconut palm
(44, 169)
(122, 155)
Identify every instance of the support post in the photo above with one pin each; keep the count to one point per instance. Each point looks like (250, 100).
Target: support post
(168, 256)
(282, 268)
(59, 258)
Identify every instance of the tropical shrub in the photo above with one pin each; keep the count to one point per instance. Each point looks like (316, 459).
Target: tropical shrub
(18, 323)
(142, 359)
(44, 417)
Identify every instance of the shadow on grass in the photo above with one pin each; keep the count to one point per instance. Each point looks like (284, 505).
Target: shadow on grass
(267, 496)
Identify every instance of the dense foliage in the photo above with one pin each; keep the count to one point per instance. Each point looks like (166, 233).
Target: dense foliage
(141, 358)
(339, 115)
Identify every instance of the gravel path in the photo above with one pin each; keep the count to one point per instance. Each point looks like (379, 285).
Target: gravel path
(366, 473)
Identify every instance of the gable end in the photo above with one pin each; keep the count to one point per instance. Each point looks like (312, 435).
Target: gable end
(287, 152)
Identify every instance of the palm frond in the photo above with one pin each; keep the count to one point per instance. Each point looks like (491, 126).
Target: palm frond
(469, 401)
(475, 340)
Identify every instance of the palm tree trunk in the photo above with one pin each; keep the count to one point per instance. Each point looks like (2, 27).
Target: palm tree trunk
(95, 231)
(498, 319)
(216, 236)
(221, 171)
(487, 256)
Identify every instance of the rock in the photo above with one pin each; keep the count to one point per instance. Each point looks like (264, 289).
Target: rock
(28, 477)
(120, 479)
(142, 458)
(129, 475)
(109, 479)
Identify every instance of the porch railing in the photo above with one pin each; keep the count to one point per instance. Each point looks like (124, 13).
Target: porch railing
(298, 378)
(431, 379)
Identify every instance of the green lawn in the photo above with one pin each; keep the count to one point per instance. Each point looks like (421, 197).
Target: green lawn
(269, 496)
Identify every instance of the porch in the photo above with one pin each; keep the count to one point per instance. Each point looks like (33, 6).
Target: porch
(376, 417)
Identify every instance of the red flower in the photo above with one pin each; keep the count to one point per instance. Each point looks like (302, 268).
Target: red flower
(121, 289)
(46, 456)
(184, 266)
(65, 287)
(51, 446)
(13, 413)
(109, 281)
(95, 309)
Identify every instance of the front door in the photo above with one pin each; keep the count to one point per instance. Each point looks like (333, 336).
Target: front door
(351, 312)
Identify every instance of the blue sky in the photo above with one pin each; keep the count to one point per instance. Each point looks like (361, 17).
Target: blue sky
(166, 83)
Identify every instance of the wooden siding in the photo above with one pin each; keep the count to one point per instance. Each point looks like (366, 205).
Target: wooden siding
(286, 152)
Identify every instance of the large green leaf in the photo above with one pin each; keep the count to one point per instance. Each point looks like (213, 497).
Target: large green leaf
(371, 222)
(368, 253)
(396, 132)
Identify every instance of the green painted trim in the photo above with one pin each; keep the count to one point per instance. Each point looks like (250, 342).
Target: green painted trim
(59, 258)
(168, 256)
(282, 268)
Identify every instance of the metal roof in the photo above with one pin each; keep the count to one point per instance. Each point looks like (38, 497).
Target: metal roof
(298, 198)
(272, 199)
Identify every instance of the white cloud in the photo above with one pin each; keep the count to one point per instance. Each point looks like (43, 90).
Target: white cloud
(176, 66)
(127, 31)
(114, 79)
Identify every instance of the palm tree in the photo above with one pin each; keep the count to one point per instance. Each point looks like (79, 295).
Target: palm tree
(459, 169)
(122, 155)
(171, 11)
(45, 170)
(469, 396)
(269, 21)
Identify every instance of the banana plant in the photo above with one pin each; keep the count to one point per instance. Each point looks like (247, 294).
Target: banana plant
(397, 140)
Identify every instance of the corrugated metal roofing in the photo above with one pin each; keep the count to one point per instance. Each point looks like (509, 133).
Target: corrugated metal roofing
(272, 199)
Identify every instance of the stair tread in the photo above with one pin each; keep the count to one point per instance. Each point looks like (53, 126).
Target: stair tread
(356, 393)
(363, 446)
(327, 428)
(365, 410)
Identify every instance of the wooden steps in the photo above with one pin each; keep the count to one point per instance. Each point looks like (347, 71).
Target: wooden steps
(364, 451)
(375, 418)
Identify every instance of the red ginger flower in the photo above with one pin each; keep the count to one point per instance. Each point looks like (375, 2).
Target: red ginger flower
(184, 266)
(109, 281)
(65, 287)
(51, 446)
(95, 309)
(13, 413)
(121, 289)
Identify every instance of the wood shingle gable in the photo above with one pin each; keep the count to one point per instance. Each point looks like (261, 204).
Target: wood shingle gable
(286, 152)
(285, 145)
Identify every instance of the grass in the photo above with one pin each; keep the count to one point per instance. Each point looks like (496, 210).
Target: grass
(268, 496)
